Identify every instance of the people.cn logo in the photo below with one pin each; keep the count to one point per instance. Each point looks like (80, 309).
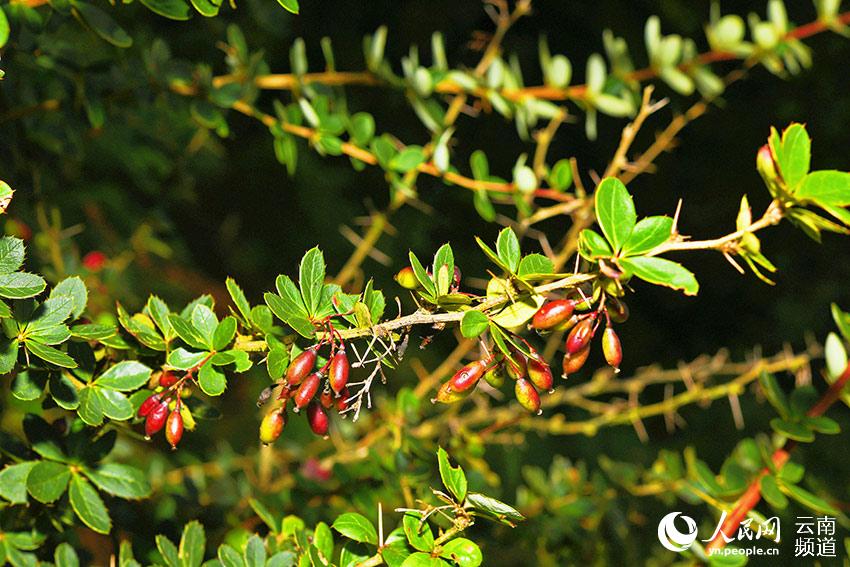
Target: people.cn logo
(671, 538)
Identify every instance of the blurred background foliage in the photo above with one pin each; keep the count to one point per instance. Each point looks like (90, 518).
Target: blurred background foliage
(176, 218)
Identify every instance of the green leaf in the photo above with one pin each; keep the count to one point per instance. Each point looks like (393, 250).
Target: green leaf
(186, 331)
(561, 176)
(648, 234)
(102, 24)
(407, 159)
(13, 482)
(808, 499)
(50, 354)
(11, 253)
(535, 265)
(211, 381)
(91, 406)
(792, 430)
(255, 552)
(115, 405)
(473, 324)
(454, 479)
(311, 278)
(362, 128)
(289, 5)
(8, 354)
(171, 9)
(48, 480)
(464, 552)
(507, 247)
(125, 376)
(205, 322)
(63, 392)
(662, 272)
(422, 275)
(774, 394)
(836, 356)
(827, 187)
(93, 331)
(355, 526)
(323, 539)
(206, 8)
(772, 494)
(20, 285)
(421, 559)
(239, 299)
(168, 551)
(159, 313)
(483, 205)
(264, 514)
(229, 557)
(4, 37)
(842, 321)
(795, 154)
(443, 268)
(88, 505)
(182, 359)
(224, 333)
(192, 544)
(492, 508)
(65, 556)
(592, 245)
(29, 385)
(479, 165)
(418, 532)
(615, 212)
(120, 480)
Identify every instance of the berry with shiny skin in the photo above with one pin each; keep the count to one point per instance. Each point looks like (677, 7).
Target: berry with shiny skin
(612, 348)
(552, 314)
(618, 311)
(517, 367)
(326, 398)
(156, 419)
(318, 419)
(527, 396)
(467, 377)
(167, 379)
(338, 372)
(580, 335)
(301, 366)
(149, 404)
(574, 362)
(342, 400)
(272, 426)
(307, 390)
(495, 376)
(406, 278)
(540, 374)
(448, 395)
(174, 427)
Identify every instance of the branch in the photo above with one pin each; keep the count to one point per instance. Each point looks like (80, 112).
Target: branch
(781, 456)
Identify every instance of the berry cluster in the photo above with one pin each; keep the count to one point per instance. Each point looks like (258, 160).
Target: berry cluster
(316, 390)
(165, 408)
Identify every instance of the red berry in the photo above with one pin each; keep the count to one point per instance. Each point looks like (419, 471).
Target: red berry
(174, 427)
(307, 390)
(301, 366)
(149, 404)
(167, 379)
(540, 374)
(553, 314)
(518, 366)
(326, 398)
(574, 362)
(95, 261)
(580, 336)
(468, 376)
(338, 372)
(527, 396)
(612, 348)
(447, 395)
(342, 400)
(456, 279)
(318, 419)
(156, 419)
(272, 425)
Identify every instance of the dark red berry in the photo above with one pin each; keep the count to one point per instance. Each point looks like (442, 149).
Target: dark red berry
(338, 372)
(580, 335)
(553, 314)
(318, 419)
(574, 362)
(342, 400)
(167, 379)
(174, 428)
(307, 390)
(95, 261)
(540, 374)
(156, 419)
(326, 398)
(301, 366)
(149, 404)
(468, 376)
(456, 279)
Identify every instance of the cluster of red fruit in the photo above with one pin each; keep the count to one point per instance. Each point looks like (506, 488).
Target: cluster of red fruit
(559, 315)
(162, 409)
(531, 374)
(301, 385)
